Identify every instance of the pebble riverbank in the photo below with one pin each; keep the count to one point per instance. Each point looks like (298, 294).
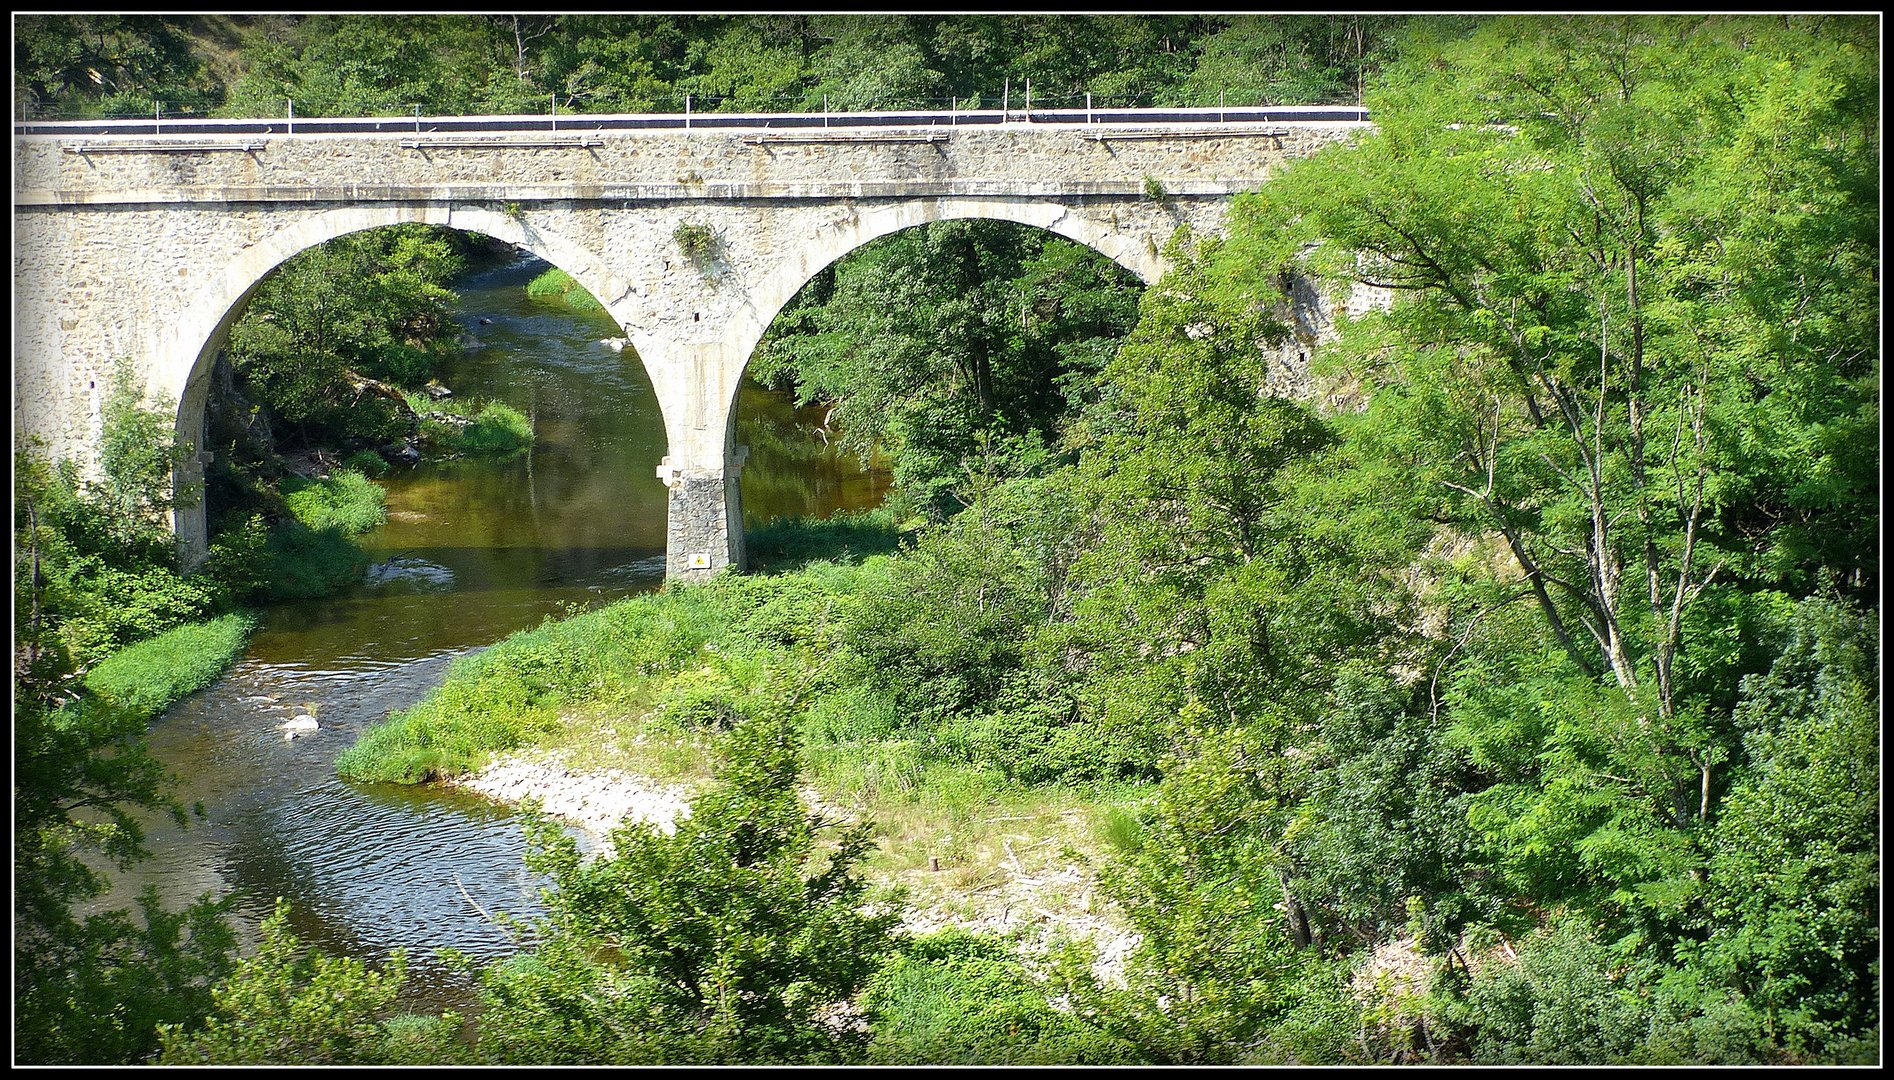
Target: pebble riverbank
(1036, 907)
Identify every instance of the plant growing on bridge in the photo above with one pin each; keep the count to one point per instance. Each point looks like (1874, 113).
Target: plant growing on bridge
(699, 243)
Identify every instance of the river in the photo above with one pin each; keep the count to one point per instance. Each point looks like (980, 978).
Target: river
(473, 550)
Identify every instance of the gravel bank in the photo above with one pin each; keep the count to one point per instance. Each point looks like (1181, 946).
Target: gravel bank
(1034, 906)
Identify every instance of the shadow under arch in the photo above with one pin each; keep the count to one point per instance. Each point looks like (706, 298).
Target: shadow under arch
(189, 347)
(1129, 249)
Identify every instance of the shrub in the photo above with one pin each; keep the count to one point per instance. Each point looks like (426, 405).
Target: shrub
(366, 462)
(738, 938)
(955, 998)
(304, 563)
(851, 536)
(697, 242)
(490, 427)
(290, 1006)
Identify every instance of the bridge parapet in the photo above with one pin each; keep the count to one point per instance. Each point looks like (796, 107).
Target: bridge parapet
(1053, 159)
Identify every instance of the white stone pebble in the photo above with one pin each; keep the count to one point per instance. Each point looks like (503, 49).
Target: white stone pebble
(594, 801)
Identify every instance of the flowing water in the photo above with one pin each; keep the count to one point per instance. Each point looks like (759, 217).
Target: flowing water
(473, 550)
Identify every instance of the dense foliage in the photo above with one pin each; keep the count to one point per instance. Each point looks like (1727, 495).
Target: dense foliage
(91, 574)
(326, 334)
(349, 65)
(955, 342)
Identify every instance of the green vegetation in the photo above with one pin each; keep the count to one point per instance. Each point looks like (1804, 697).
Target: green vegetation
(555, 286)
(960, 350)
(91, 576)
(697, 242)
(149, 676)
(727, 941)
(382, 65)
(462, 426)
(345, 501)
(333, 335)
(954, 998)
(791, 543)
(285, 1003)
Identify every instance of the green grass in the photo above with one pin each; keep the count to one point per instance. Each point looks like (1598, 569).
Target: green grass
(492, 427)
(555, 286)
(151, 675)
(345, 501)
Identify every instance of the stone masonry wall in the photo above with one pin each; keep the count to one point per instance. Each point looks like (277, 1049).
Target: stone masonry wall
(143, 257)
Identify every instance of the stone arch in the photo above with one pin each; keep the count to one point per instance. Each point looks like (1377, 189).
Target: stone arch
(181, 367)
(769, 295)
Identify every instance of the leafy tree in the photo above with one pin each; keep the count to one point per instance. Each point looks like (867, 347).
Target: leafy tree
(328, 328)
(108, 65)
(1793, 873)
(373, 65)
(1290, 59)
(938, 337)
(87, 989)
(288, 1006)
(1213, 969)
(956, 999)
(1589, 345)
(740, 937)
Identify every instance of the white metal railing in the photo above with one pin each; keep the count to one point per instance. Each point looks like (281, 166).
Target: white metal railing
(589, 124)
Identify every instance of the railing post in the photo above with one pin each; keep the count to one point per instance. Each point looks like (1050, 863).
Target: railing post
(1088, 106)
(1006, 94)
(1220, 104)
(417, 119)
(555, 112)
(157, 118)
(289, 128)
(1029, 101)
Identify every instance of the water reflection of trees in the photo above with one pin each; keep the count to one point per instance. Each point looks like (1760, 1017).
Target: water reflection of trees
(797, 465)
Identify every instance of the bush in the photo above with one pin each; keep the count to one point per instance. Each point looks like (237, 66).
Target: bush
(1561, 1004)
(697, 242)
(851, 536)
(954, 998)
(149, 676)
(471, 427)
(305, 563)
(740, 937)
(366, 462)
(288, 1006)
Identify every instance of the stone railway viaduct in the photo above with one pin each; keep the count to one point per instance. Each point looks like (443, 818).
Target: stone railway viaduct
(146, 248)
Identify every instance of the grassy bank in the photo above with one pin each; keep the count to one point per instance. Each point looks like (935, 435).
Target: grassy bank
(556, 287)
(151, 675)
(454, 426)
